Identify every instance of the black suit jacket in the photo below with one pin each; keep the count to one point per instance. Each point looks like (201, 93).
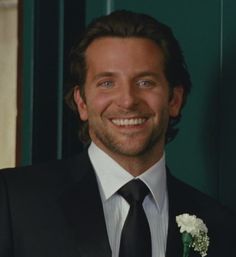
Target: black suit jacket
(55, 210)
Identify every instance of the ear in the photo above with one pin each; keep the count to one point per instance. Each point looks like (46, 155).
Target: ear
(81, 104)
(176, 101)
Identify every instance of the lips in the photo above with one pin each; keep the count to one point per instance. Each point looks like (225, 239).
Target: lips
(128, 121)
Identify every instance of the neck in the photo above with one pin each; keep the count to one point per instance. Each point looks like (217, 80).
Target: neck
(137, 164)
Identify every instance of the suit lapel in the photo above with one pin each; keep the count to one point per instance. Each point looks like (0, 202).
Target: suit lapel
(83, 210)
(174, 243)
(179, 203)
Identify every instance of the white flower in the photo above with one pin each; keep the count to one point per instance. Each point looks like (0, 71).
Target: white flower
(191, 224)
(197, 229)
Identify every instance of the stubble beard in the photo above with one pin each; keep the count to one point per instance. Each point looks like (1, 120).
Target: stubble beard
(110, 142)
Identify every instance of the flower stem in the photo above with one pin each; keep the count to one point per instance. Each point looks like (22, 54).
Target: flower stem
(187, 242)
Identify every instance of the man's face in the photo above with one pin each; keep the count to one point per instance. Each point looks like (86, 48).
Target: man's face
(127, 103)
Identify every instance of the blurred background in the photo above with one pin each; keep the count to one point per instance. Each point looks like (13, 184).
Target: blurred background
(37, 126)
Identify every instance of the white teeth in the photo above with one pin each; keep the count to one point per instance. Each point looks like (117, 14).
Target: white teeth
(128, 122)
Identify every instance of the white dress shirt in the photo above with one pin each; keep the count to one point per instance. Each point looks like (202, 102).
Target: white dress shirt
(111, 177)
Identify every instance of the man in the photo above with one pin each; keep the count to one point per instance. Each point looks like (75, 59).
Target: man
(130, 84)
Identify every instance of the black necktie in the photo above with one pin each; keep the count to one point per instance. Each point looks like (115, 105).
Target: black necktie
(135, 237)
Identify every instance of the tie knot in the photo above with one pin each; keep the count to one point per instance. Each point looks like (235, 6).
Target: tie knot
(134, 191)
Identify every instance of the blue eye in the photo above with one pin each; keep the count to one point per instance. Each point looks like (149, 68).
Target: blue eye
(106, 84)
(145, 83)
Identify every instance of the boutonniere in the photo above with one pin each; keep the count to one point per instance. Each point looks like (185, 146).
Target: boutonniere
(194, 234)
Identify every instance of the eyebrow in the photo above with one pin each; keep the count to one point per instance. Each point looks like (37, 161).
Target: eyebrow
(138, 75)
(148, 74)
(104, 74)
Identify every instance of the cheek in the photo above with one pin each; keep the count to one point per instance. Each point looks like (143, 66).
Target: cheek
(157, 102)
(99, 103)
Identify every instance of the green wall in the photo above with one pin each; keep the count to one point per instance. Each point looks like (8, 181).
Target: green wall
(203, 152)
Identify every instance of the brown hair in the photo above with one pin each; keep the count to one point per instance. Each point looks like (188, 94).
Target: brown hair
(127, 24)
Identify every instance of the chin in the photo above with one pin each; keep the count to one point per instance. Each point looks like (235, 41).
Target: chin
(128, 150)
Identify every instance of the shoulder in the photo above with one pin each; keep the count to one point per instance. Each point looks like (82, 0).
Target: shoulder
(184, 192)
(47, 175)
(186, 195)
(50, 166)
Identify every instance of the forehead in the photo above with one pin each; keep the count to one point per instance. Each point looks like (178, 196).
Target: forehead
(116, 42)
(124, 51)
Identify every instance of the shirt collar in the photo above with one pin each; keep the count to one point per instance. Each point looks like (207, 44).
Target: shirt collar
(111, 176)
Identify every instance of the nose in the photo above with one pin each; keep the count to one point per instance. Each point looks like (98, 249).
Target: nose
(127, 96)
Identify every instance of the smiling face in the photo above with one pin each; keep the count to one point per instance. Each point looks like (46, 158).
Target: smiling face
(126, 97)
